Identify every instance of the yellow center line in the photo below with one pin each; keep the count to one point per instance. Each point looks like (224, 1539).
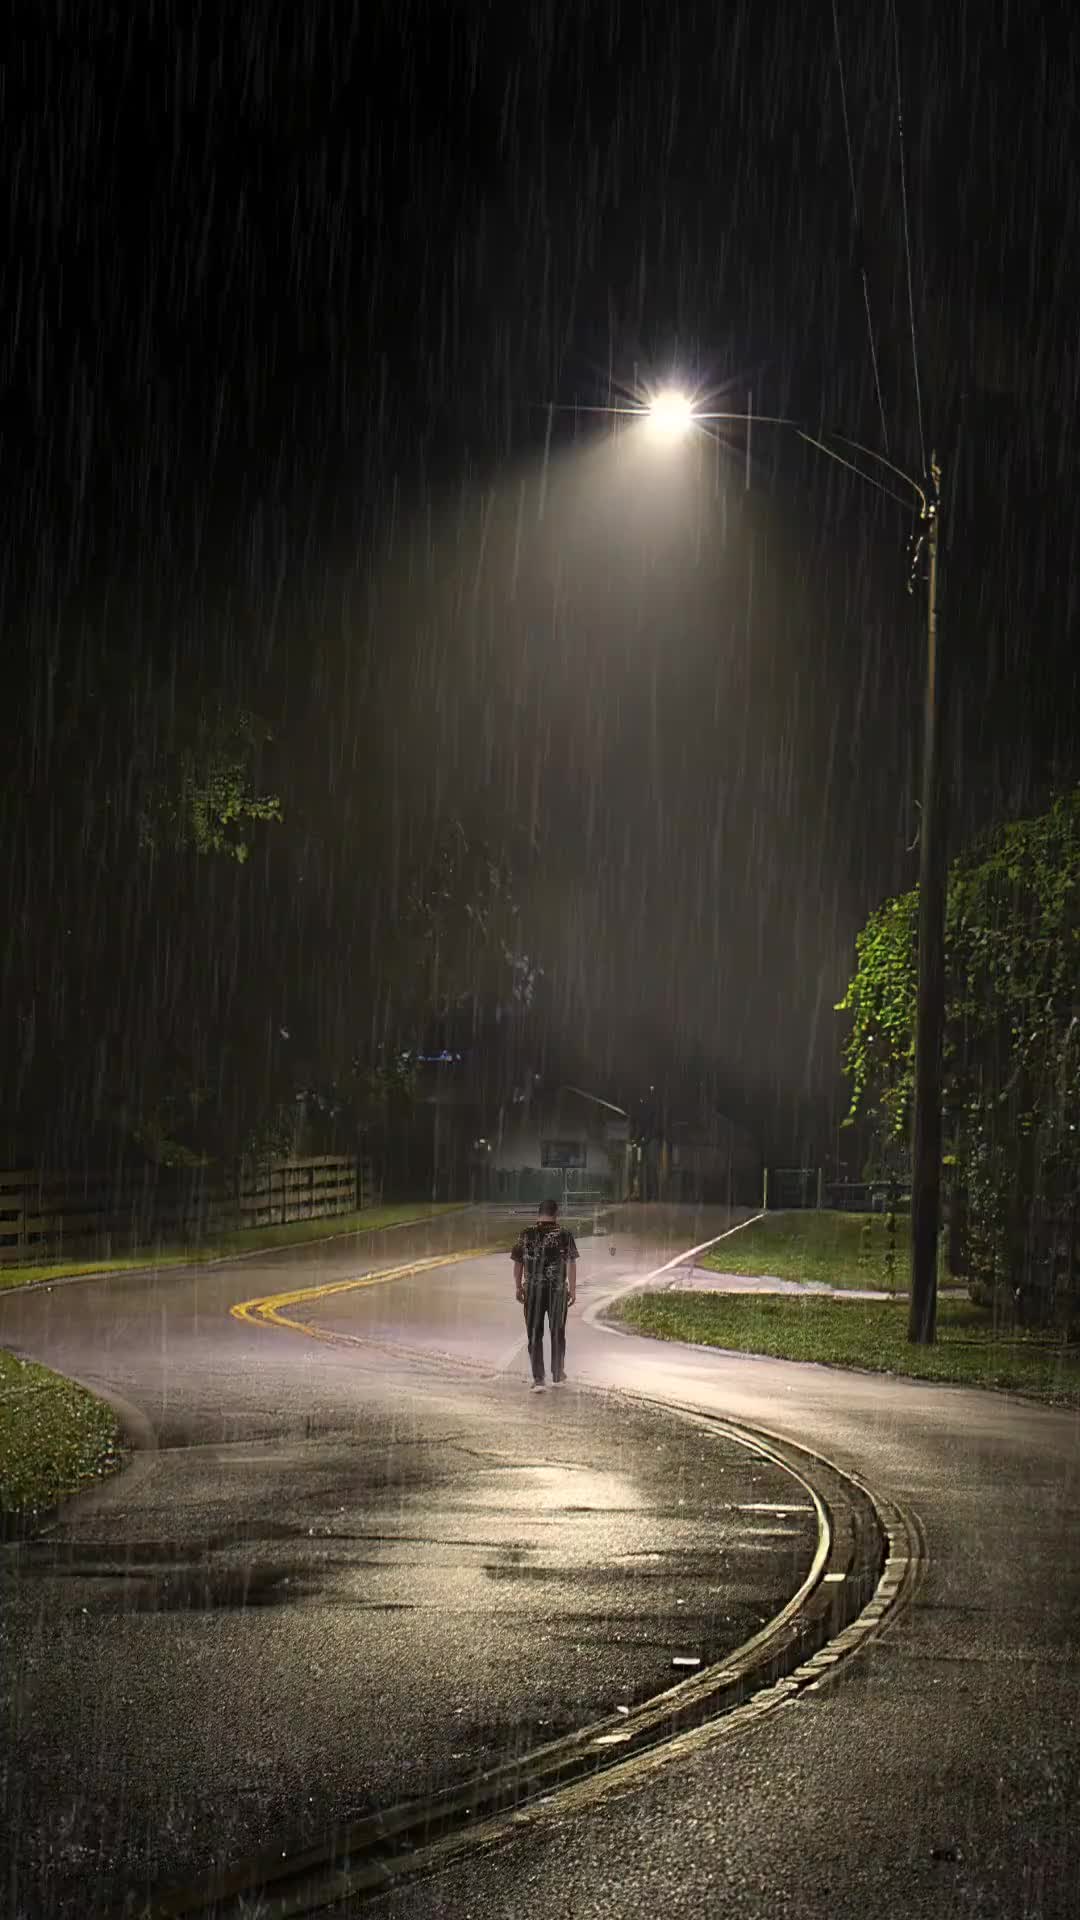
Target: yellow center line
(268, 1309)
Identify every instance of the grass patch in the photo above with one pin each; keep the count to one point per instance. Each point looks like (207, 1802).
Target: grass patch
(245, 1240)
(833, 1249)
(54, 1438)
(972, 1349)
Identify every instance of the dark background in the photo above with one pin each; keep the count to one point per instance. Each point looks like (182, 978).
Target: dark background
(286, 295)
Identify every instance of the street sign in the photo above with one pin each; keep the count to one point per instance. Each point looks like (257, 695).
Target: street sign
(563, 1153)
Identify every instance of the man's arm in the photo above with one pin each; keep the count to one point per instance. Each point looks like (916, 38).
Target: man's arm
(571, 1279)
(519, 1272)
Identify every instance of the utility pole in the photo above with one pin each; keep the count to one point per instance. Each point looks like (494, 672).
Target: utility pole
(930, 1010)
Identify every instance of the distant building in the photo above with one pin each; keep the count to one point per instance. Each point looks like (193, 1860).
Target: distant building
(474, 1135)
(556, 1142)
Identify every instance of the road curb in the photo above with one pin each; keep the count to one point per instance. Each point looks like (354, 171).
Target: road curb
(867, 1571)
(180, 1267)
(926, 1383)
(593, 1315)
(140, 1445)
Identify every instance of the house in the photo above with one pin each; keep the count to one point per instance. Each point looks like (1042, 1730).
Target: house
(555, 1142)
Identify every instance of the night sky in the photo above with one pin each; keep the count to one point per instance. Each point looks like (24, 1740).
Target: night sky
(288, 294)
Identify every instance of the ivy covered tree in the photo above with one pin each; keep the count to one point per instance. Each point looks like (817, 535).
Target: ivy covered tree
(1011, 1058)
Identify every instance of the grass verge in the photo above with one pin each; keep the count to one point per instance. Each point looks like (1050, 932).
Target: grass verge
(54, 1439)
(832, 1249)
(972, 1350)
(245, 1240)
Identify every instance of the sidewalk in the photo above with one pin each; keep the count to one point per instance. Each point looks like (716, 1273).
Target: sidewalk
(704, 1280)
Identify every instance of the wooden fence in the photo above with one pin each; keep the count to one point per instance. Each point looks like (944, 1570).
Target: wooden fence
(46, 1215)
(272, 1193)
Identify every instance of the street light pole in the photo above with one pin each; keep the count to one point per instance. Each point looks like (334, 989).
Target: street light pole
(673, 414)
(930, 1004)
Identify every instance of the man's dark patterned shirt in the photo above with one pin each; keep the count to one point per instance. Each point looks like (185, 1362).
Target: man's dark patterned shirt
(544, 1252)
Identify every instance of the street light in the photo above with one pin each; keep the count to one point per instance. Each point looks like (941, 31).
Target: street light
(671, 414)
(933, 870)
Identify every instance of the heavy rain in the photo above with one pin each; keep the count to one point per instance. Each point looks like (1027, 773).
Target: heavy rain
(540, 1093)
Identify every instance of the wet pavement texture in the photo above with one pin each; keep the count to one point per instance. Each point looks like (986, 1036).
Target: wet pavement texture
(346, 1576)
(935, 1774)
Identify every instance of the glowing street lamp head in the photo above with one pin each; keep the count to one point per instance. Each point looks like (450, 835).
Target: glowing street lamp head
(671, 414)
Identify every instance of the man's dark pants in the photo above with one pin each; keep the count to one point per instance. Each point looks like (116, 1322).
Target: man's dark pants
(550, 1298)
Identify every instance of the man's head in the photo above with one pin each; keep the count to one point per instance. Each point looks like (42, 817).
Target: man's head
(548, 1210)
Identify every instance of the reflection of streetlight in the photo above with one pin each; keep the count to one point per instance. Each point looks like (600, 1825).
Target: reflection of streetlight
(671, 414)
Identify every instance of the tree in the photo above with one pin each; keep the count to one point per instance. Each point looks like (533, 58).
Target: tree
(1011, 1060)
(140, 1008)
(462, 931)
(209, 1077)
(451, 978)
(203, 799)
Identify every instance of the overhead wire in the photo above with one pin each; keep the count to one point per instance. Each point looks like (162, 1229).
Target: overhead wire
(846, 440)
(889, 492)
(858, 223)
(703, 421)
(907, 236)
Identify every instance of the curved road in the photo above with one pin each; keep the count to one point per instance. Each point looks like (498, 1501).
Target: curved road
(937, 1771)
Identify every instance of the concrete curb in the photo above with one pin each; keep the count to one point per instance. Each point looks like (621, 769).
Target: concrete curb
(706, 1280)
(869, 1560)
(140, 1443)
(593, 1315)
(924, 1382)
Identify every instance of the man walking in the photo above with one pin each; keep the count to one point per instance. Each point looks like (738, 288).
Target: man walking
(545, 1281)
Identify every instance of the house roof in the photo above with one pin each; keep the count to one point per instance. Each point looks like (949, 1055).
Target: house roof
(596, 1100)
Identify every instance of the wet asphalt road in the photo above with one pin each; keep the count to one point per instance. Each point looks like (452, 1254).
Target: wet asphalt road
(938, 1773)
(351, 1571)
